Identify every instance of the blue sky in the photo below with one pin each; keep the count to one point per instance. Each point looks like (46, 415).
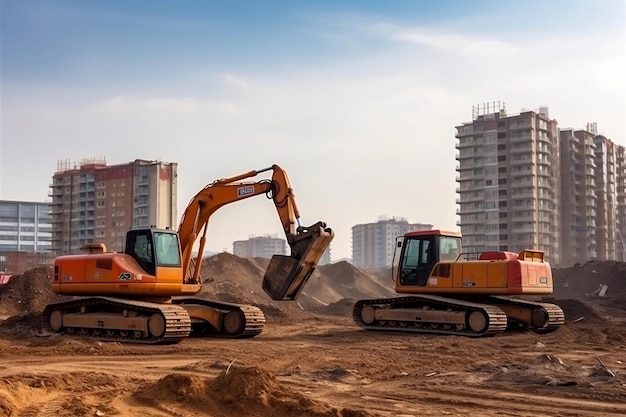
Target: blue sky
(357, 100)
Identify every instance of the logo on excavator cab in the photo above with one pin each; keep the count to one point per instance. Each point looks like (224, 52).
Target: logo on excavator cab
(124, 276)
(244, 191)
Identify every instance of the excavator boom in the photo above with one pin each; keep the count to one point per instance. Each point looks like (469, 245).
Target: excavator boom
(286, 275)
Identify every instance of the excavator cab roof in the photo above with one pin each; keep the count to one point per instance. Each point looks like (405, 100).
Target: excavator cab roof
(435, 232)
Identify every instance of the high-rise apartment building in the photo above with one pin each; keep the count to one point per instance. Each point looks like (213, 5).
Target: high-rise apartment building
(93, 202)
(607, 158)
(268, 246)
(579, 202)
(621, 203)
(593, 187)
(25, 235)
(508, 181)
(260, 247)
(373, 244)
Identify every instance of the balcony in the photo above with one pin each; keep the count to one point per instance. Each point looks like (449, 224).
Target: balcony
(521, 161)
(523, 195)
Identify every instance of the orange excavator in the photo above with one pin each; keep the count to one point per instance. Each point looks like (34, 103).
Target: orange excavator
(144, 294)
(452, 292)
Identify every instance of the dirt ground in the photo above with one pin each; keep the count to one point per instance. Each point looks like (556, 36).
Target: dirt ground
(312, 361)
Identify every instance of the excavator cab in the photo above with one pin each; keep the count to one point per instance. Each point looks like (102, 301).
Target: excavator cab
(286, 275)
(421, 252)
(152, 247)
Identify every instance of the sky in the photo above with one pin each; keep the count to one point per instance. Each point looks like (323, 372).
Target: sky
(357, 100)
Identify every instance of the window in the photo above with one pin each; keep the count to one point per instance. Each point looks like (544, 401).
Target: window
(449, 248)
(166, 249)
(411, 255)
(425, 252)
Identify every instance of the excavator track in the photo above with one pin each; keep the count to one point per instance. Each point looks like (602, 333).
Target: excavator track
(117, 319)
(239, 320)
(430, 314)
(542, 317)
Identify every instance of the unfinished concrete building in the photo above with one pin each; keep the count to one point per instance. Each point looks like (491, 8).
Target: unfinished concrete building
(579, 201)
(608, 241)
(93, 202)
(508, 181)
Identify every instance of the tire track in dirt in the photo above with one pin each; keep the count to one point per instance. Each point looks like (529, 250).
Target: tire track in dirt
(393, 399)
(55, 403)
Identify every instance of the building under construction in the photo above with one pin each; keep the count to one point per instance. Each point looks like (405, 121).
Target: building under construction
(93, 202)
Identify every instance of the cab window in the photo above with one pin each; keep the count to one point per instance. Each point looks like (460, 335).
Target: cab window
(167, 249)
(449, 248)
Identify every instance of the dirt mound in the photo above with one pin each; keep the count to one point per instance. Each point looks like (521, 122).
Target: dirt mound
(255, 391)
(354, 282)
(577, 309)
(586, 281)
(342, 281)
(174, 387)
(28, 293)
(225, 264)
(17, 391)
(342, 308)
(229, 278)
(249, 390)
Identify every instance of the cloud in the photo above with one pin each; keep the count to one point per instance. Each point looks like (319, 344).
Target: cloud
(234, 81)
(468, 46)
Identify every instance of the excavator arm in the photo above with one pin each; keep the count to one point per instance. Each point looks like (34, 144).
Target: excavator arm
(286, 275)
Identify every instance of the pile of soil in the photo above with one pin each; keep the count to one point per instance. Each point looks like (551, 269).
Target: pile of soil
(585, 281)
(28, 293)
(581, 290)
(329, 290)
(15, 393)
(245, 390)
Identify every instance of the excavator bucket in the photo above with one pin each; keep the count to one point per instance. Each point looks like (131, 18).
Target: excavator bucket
(286, 275)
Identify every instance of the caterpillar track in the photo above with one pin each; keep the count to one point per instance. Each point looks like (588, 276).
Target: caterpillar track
(116, 319)
(485, 316)
(430, 314)
(538, 317)
(238, 320)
